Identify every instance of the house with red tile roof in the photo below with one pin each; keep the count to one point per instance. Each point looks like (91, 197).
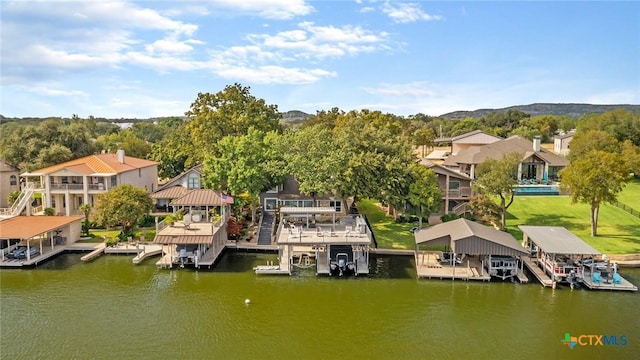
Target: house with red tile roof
(66, 186)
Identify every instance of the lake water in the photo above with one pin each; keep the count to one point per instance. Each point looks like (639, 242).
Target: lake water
(112, 309)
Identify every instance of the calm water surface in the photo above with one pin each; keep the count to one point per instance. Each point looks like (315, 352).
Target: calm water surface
(112, 309)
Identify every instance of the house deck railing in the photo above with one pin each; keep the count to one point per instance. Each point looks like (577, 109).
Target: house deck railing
(80, 186)
(461, 192)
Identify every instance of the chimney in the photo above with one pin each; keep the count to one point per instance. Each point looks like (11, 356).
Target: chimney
(536, 143)
(120, 155)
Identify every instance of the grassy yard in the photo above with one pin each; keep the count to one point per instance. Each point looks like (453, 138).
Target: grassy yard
(388, 233)
(97, 235)
(618, 231)
(630, 195)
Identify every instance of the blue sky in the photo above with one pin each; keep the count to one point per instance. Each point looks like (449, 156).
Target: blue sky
(151, 58)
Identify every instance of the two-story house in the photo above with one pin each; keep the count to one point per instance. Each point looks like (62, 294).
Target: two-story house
(66, 186)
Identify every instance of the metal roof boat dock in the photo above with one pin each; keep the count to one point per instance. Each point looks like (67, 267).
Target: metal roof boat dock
(476, 242)
(557, 255)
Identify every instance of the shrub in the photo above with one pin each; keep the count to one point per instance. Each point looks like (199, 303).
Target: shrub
(49, 211)
(146, 221)
(449, 217)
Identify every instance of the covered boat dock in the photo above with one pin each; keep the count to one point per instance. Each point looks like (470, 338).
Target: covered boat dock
(308, 234)
(469, 250)
(557, 255)
(29, 240)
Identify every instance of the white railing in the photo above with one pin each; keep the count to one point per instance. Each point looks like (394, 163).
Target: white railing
(20, 203)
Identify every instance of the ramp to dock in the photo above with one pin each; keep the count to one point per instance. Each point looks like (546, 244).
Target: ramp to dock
(147, 251)
(537, 272)
(99, 250)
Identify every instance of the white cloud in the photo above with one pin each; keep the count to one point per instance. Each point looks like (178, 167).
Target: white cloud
(271, 74)
(318, 42)
(407, 12)
(57, 92)
(270, 9)
(413, 89)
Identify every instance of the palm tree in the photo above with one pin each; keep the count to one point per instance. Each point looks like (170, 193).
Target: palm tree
(86, 210)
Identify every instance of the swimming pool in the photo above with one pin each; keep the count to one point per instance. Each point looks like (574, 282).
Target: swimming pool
(537, 190)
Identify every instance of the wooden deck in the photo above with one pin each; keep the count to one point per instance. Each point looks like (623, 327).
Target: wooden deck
(537, 272)
(608, 284)
(428, 265)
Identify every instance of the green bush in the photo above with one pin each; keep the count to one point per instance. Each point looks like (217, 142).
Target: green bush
(49, 211)
(449, 217)
(147, 221)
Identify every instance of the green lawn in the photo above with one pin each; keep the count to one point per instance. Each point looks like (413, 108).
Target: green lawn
(618, 231)
(630, 195)
(97, 235)
(388, 233)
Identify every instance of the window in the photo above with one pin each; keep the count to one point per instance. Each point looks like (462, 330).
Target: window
(13, 180)
(193, 181)
(65, 180)
(336, 205)
(454, 185)
(114, 181)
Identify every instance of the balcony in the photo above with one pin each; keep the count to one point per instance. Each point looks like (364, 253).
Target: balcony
(463, 192)
(74, 187)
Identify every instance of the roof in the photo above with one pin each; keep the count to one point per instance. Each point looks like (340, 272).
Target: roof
(199, 197)
(441, 170)
(172, 192)
(496, 150)
(97, 164)
(438, 154)
(464, 138)
(182, 239)
(467, 237)
(557, 240)
(564, 136)
(26, 227)
(307, 210)
(174, 181)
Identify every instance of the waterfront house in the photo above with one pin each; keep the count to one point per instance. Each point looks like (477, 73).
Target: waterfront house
(558, 256)
(177, 188)
(9, 182)
(456, 189)
(471, 251)
(538, 165)
(29, 240)
(66, 186)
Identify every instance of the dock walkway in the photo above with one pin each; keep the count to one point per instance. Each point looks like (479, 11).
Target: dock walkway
(537, 272)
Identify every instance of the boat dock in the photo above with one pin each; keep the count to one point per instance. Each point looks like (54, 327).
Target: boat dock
(618, 283)
(428, 265)
(537, 272)
(99, 250)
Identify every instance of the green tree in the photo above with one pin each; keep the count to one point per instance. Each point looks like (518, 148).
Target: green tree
(86, 210)
(230, 112)
(424, 137)
(484, 209)
(123, 205)
(498, 177)
(240, 166)
(174, 154)
(599, 169)
(424, 191)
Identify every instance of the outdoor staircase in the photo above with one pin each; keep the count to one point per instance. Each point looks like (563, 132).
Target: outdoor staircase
(460, 208)
(21, 202)
(266, 228)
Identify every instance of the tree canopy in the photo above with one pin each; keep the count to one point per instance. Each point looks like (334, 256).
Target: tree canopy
(599, 169)
(498, 177)
(424, 192)
(123, 205)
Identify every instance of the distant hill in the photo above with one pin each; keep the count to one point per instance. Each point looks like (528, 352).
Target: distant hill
(294, 116)
(571, 110)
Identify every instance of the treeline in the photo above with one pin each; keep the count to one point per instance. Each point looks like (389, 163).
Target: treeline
(178, 143)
